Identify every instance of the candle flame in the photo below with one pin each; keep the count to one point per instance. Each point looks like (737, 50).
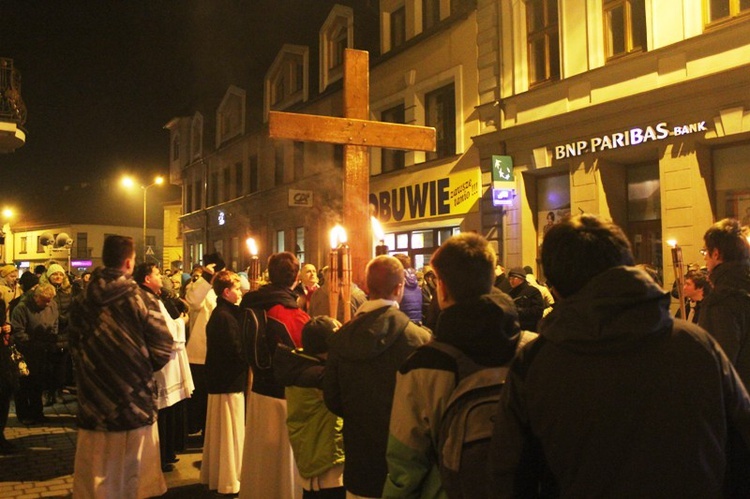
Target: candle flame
(338, 236)
(672, 243)
(251, 246)
(377, 229)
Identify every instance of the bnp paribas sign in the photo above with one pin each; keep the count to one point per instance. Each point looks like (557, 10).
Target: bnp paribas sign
(631, 137)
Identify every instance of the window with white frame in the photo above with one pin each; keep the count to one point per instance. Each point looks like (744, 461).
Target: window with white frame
(440, 112)
(720, 10)
(624, 26)
(543, 40)
(336, 35)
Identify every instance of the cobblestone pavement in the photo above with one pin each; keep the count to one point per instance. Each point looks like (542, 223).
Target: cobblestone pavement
(44, 465)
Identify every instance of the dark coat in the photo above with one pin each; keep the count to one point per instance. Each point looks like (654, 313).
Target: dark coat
(226, 360)
(530, 305)
(726, 314)
(617, 399)
(358, 385)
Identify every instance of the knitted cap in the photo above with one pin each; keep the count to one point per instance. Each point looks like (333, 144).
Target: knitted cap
(55, 268)
(7, 269)
(517, 272)
(315, 334)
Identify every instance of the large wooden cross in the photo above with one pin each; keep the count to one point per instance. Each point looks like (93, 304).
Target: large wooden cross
(356, 133)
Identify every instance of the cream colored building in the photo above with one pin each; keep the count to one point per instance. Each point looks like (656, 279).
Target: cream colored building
(637, 110)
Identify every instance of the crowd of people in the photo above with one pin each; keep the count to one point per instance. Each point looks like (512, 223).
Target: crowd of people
(591, 385)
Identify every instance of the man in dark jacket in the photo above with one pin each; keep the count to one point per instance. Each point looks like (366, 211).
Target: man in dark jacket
(615, 398)
(477, 319)
(267, 463)
(118, 338)
(528, 299)
(726, 310)
(361, 374)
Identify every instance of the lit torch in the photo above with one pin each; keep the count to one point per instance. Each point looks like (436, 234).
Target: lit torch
(678, 274)
(377, 230)
(253, 270)
(333, 273)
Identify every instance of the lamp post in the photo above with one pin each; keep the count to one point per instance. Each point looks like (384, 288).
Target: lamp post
(129, 182)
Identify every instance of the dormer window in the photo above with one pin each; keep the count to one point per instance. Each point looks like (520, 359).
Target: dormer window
(230, 116)
(336, 35)
(286, 81)
(176, 147)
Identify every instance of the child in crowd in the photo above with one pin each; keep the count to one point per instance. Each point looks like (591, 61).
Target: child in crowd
(226, 372)
(314, 431)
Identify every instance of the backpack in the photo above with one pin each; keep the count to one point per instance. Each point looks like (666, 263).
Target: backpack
(261, 335)
(466, 425)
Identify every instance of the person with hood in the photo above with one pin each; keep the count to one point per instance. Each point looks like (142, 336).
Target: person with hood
(9, 289)
(118, 339)
(615, 398)
(360, 374)
(267, 463)
(411, 302)
(477, 319)
(314, 432)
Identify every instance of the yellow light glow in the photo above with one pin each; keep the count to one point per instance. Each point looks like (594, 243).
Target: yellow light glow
(337, 236)
(672, 243)
(127, 182)
(377, 229)
(251, 246)
(159, 180)
(7, 213)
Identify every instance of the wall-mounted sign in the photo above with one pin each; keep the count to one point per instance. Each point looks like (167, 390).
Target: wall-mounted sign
(502, 169)
(300, 198)
(502, 197)
(426, 194)
(632, 137)
(81, 263)
(221, 218)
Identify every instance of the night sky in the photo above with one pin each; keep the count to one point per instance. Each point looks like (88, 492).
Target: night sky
(101, 79)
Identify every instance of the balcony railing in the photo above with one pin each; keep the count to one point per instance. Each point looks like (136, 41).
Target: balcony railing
(12, 107)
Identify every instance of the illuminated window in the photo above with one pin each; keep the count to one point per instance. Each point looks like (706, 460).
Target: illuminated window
(543, 40)
(279, 241)
(624, 26)
(299, 244)
(724, 9)
(440, 112)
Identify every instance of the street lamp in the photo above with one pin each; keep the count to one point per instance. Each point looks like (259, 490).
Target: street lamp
(128, 182)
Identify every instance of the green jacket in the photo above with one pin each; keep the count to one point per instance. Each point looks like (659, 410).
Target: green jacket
(314, 431)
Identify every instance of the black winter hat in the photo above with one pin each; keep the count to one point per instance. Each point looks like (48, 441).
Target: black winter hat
(316, 333)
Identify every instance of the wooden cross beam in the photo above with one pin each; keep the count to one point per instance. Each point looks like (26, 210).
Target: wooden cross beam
(356, 133)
